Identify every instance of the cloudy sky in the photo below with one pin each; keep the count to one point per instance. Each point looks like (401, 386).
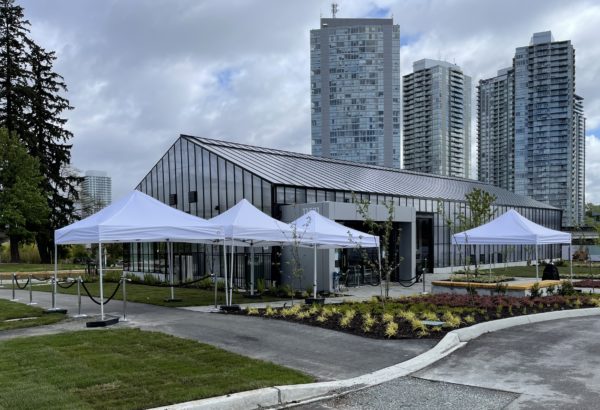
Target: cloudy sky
(141, 72)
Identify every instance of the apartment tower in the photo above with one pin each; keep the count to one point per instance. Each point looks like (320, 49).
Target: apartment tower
(437, 119)
(355, 90)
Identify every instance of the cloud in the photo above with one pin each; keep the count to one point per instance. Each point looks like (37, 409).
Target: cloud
(140, 73)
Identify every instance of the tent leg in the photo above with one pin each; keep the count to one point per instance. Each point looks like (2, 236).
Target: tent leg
(537, 265)
(101, 287)
(315, 271)
(380, 278)
(571, 261)
(231, 276)
(226, 273)
(171, 271)
(55, 276)
(251, 270)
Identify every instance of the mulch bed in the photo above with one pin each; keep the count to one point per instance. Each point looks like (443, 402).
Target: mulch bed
(587, 283)
(466, 309)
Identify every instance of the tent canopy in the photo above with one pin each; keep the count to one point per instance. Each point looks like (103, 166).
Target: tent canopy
(511, 228)
(247, 225)
(138, 218)
(313, 229)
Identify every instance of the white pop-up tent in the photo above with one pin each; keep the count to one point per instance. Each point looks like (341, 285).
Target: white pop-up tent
(318, 232)
(246, 225)
(511, 228)
(136, 218)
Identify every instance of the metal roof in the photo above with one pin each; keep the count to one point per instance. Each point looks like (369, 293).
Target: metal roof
(303, 170)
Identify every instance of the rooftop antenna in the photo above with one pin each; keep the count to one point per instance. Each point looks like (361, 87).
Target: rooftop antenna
(334, 9)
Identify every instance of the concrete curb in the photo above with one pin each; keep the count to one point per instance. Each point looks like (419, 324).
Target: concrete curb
(280, 396)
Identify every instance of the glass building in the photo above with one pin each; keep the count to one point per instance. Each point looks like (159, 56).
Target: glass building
(355, 90)
(495, 126)
(437, 119)
(205, 177)
(546, 140)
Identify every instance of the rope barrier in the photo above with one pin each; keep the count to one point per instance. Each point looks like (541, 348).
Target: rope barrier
(19, 286)
(414, 280)
(44, 279)
(94, 300)
(68, 286)
(186, 284)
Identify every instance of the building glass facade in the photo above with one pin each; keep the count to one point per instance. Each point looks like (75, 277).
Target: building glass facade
(206, 177)
(495, 126)
(355, 90)
(437, 119)
(96, 192)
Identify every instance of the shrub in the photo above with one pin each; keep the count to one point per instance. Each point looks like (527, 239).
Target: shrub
(534, 291)
(303, 314)
(429, 315)
(566, 288)
(368, 322)
(269, 311)
(391, 329)
(252, 311)
(550, 290)
(150, 279)
(469, 319)
(260, 285)
(388, 318)
(451, 320)
(500, 288)
(347, 318)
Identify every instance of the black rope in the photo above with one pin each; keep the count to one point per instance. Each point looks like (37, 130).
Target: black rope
(107, 300)
(24, 286)
(68, 286)
(39, 280)
(186, 284)
(414, 280)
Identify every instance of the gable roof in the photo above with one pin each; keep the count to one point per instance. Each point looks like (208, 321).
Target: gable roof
(303, 170)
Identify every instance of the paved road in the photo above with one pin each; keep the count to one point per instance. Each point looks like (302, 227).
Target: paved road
(326, 354)
(554, 364)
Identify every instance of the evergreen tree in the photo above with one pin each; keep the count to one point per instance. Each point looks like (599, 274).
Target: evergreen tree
(22, 201)
(46, 138)
(32, 106)
(14, 73)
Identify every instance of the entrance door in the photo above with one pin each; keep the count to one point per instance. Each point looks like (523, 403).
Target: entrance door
(424, 257)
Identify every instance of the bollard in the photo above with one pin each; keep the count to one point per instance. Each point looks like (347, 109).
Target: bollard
(31, 302)
(14, 280)
(79, 314)
(124, 281)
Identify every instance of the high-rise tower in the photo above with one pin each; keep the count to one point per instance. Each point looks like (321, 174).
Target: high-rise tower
(355, 90)
(437, 119)
(548, 127)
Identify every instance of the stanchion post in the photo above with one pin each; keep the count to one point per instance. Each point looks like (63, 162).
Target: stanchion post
(53, 293)
(124, 281)
(14, 281)
(31, 302)
(424, 270)
(79, 296)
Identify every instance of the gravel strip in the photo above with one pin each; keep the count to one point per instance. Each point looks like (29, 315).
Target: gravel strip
(415, 393)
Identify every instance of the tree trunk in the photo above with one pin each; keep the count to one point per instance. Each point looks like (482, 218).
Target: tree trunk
(44, 245)
(14, 250)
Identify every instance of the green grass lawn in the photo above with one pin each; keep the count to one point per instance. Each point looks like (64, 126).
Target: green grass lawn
(14, 310)
(125, 369)
(36, 267)
(155, 295)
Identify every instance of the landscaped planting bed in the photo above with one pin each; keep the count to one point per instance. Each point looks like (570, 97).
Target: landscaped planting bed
(416, 317)
(588, 283)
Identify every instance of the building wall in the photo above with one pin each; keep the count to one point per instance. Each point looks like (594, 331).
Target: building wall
(495, 125)
(437, 119)
(355, 90)
(547, 142)
(191, 178)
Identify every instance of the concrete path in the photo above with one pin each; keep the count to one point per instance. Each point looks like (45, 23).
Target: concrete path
(328, 355)
(554, 364)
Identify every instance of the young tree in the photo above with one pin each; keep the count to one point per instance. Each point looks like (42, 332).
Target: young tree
(22, 202)
(32, 106)
(384, 229)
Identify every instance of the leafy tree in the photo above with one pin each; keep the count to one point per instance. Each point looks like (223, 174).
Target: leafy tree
(384, 229)
(32, 106)
(22, 202)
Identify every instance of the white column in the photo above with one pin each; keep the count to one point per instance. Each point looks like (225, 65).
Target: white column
(251, 270)
(231, 276)
(225, 272)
